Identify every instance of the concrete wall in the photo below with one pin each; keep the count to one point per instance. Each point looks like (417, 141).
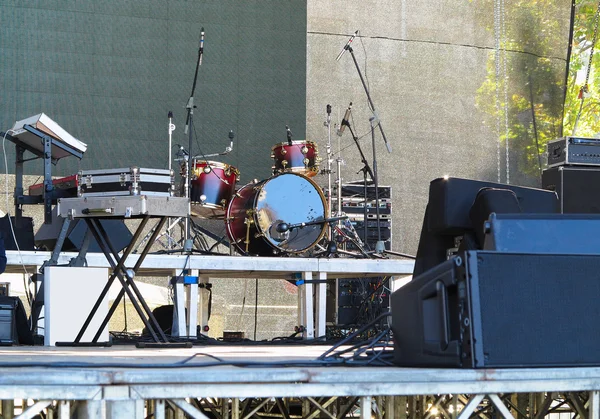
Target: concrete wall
(424, 62)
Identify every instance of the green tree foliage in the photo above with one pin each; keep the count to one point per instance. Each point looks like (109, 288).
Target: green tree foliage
(582, 102)
(534, 39)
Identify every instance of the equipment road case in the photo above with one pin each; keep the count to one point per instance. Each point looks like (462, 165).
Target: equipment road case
(125, 181)
(123, 206)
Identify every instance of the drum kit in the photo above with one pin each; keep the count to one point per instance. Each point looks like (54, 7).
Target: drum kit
(284, 214)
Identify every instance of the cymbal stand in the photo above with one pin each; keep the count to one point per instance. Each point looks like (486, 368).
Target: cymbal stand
(338, 183)
(327, 171)
(170, 224)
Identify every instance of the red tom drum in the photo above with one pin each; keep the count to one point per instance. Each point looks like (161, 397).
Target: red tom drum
(298, 157)
(212, 186)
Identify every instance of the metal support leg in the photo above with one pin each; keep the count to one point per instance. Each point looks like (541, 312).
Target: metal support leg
(179, 327)
(203, 302)
(179, 315)
(127, 283)
(111, 279)
(122, 409)
(224, 408)
(365, 407)
(500, 406)
(389, 407)
(64, 409)
(8, 409)
(90, 409)
(471, 406)
(188, 408)
(594, 410)
(33, 410)
(321, 306)
(307, 314)
(191, 297)
(159, 409)
(235, 407)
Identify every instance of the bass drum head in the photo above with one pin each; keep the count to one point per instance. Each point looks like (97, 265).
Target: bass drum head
(291, 199)
(287, 198)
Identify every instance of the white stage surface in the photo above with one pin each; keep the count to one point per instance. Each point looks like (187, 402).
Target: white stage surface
(223, 266)
(244, 381)
(122, 379)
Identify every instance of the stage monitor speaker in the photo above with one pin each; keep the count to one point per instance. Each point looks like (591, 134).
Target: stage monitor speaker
(452, 210)
(23, 232)
(578, 188)
(543, 233)
(450, 201)
(500, 310)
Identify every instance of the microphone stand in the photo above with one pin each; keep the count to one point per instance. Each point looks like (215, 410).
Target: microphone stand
(189, 124)
(349, 49)
(366, 169)
(380, 244)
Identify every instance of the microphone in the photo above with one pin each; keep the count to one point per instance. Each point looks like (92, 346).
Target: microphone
(201, 50)
(171, 124)
(230, 147)
(345, 120)
(182, 151)
(289, 135)
(347, 46)
(282, 227)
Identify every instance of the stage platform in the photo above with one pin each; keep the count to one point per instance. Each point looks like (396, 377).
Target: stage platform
(224, 266)
(123, 380)
(310, 274)
(289, 379)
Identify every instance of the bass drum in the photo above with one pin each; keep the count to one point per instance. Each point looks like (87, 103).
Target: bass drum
(257, 212)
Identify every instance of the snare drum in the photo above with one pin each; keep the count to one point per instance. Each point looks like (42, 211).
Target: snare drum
(258, 211)
(298, 157)
(212, 186)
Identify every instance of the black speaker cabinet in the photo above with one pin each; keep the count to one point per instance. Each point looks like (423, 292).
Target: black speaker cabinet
(578, 188)
(8, 324)
(495, 310)
(23, 230)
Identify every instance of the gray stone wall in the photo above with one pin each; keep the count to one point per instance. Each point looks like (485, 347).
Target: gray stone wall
(425, 63)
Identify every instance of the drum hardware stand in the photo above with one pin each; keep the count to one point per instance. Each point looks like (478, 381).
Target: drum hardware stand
(366, 169)
(248, 221)
(171, 129)
(228, 149)
(289, 135)
(332, 246)
(379, 248)
(327, 171)
(184, 157)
